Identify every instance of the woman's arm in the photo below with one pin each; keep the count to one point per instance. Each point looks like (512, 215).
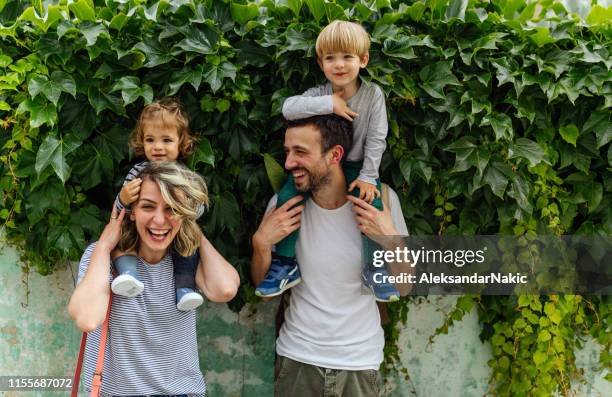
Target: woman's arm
(216, 277)
(89, 301)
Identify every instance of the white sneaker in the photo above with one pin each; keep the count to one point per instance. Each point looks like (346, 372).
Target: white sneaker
(189, 301)
(126, 285)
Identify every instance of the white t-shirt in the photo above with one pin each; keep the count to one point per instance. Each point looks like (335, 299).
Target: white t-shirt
(330, 321)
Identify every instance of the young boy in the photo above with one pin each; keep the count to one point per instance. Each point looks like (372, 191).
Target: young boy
(342, 50)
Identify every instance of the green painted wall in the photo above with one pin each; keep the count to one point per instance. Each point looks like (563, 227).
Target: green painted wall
(237, 350)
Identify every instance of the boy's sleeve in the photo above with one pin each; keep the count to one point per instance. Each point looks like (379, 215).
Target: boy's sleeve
(313, 102)
(134, 172)
(376, 138)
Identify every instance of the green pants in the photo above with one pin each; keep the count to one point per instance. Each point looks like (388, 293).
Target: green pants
(286, 247)
(296, 379)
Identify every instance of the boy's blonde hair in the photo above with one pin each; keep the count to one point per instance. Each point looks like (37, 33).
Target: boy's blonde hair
(167, 111)
(185, 192)
(343, 36)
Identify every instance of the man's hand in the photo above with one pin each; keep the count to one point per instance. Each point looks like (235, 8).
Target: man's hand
(341, 108)
(278, 223)
(130, 191)
(367, 191)
(373, 223)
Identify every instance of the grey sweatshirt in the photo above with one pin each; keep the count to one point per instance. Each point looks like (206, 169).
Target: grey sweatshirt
(370, 127)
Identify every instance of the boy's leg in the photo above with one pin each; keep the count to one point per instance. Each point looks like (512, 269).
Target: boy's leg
(184, 280)
(284, 272)
(383, 291)
(126, 283)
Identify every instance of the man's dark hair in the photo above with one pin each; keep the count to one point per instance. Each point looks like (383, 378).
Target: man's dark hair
(335, 130)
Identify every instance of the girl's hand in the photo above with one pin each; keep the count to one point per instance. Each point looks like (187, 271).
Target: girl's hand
(112, 231)
(130, 191)
(367, 191)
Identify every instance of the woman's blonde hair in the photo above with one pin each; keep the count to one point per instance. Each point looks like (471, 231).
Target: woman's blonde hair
(343, 36)
(186, 194)
(168, 112)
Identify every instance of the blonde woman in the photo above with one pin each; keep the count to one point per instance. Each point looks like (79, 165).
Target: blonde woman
(152, 346)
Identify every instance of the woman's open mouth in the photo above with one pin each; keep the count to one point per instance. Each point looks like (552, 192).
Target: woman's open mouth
(158, 234)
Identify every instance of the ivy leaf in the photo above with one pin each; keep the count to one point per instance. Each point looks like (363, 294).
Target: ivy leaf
(186, 75)
(496, 176)
(52, 88)
(41, 111)
(203, 154)
(90, 165)
(113, 143)
(399, 48)
(53, 151)
(216, 73)
(101, 100)
(437, 76)
(539, 357)
(224, 214)
(131, 90)
(49, 195)
(155, 53)
(600, 123)
(83, 10)
(276, 173)
(196, 41)
(456, 9)
(501, 124)
(527, 149)
(317, 8)
(91, 32)
(242, 13)
(569, 133)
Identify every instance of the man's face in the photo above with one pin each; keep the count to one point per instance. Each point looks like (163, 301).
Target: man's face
(305, 160)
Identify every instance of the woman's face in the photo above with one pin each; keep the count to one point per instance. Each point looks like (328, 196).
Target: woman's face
(155, 223)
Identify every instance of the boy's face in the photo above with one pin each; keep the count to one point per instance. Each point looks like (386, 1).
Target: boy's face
(160, 141)
(342, 68)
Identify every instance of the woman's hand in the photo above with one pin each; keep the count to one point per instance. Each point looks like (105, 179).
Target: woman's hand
(112, 231)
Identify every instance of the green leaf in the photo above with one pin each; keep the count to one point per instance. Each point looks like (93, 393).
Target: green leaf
(41, 111)
(5, 60)
(539, 357)
(527, 149)
(437, 76)
(501, 124)
(276, 173)
(155, 53)
(186, 75)
(203, 154)
(52, 88)
(600, 123)
(541, 37)
(496, 176)
(118, 21)
(216, 73)
(543, 336)
(317, 8)
(48, 196)
(224, 214)
(293, 5)
(242, 13)
(196, 41)
(569, 133)
(101, 100)
(4, 106)
(456, 9)
(113, 143)
(599, 15)
(91, 32)
(52, 14)
(83, 10)
(91, 165)
(399, 48)
(53, 152)
(131, 89)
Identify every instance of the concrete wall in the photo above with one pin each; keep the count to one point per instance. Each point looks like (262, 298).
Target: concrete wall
(237, 350)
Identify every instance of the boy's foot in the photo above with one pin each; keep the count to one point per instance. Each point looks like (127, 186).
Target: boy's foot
(282, 275)
(127, 285)
(383, 290)
(187, 299)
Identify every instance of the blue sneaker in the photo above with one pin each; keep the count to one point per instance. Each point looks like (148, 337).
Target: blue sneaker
(282, 275)
(383, 291)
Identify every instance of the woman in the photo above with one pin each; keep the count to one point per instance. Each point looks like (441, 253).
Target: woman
(152, 347)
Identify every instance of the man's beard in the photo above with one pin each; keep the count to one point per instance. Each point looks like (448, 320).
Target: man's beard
(316, 180)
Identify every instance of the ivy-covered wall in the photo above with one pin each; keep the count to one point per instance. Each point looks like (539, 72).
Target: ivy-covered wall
(499, 116)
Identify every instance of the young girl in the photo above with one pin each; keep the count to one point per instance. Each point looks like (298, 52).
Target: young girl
(161, 134)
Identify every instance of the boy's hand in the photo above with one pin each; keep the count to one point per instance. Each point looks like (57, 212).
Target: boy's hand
(341, 108)
(130, 191)
(367, 191)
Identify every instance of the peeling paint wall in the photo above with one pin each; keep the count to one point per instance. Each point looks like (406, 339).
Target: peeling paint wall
(237, 349)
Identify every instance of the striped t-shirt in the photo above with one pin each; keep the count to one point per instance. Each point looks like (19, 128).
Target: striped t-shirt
(152, 346)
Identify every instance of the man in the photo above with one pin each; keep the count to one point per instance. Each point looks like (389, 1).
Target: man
(331, 343)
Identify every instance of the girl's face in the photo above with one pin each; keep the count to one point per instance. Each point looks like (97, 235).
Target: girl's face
(161, 141)
(155, 223)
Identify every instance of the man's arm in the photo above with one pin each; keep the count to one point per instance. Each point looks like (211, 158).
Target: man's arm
(276, 224)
